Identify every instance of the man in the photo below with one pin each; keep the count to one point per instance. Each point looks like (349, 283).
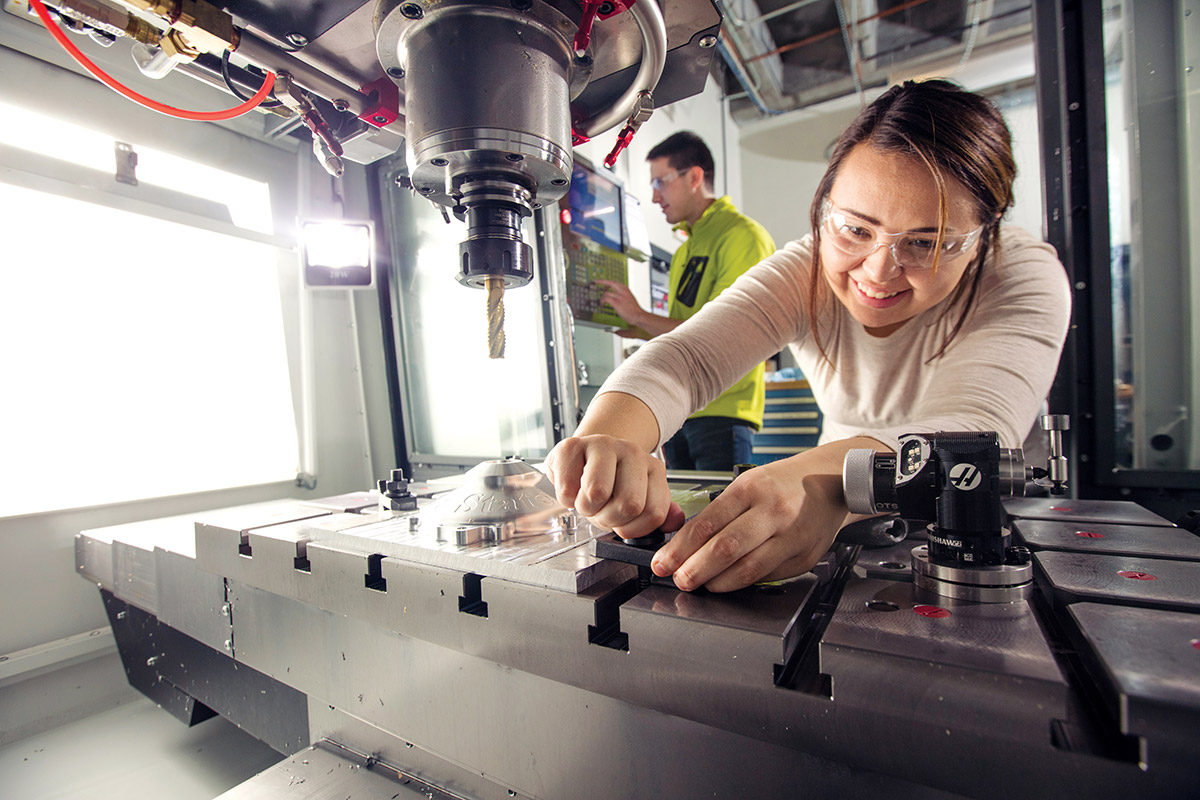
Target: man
(722, 244)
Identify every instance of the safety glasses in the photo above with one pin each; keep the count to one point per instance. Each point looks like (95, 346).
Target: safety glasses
(910, 249)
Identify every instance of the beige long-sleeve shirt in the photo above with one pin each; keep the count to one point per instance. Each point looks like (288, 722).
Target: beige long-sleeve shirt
(994, 376)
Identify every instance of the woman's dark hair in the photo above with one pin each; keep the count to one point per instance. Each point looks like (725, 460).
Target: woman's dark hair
(959, 135)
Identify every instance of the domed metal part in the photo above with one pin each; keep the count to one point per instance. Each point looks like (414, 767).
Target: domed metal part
(499, 500)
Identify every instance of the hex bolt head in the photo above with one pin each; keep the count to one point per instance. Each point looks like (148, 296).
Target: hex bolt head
(340, 105)
(708, 41)
(297, 39)
(396, 73)
(412, 11)
(439, 162)
(379, 119)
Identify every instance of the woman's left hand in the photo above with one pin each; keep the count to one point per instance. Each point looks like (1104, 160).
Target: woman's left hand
(772, 522)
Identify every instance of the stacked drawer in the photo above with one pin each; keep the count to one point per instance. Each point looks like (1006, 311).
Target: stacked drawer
(791, 422)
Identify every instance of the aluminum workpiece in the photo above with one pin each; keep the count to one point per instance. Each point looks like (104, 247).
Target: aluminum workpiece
(524, 665)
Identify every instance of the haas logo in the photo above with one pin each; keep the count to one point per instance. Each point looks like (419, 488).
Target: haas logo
(965, 477)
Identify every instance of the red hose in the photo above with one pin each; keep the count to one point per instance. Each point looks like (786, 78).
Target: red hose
(154, 105)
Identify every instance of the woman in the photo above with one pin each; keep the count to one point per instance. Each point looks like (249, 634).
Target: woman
(908, 308)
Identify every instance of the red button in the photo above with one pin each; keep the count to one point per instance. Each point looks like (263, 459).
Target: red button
(1137, 576)
(565, 216)
(933, 612)
(1196, 643)
(1089, 534)
(1060, 508)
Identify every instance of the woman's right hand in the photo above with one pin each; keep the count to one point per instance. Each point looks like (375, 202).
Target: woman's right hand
(615, 484)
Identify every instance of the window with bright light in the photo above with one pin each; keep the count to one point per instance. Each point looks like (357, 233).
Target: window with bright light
(248, 200)
(141, 357)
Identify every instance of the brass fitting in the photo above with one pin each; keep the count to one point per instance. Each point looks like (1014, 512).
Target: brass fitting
(179, 49)
(108, 17)
(204, 28)
(141, 31)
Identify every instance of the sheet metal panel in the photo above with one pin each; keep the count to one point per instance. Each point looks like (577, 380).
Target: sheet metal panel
(751, 632)
(93, 558)
(1097, 537)
(1147, 582)
(1121, 512)
(135, 576)
(195, 604)
(543, 738)
(194, 681)
(1150, 662)
(985, 667)
(387, 641)
(1152, 658)
(321, 774)
(890, 563)
(558, 561)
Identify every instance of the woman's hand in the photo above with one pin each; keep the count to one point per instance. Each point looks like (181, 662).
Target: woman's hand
(615, 484)
(773, 522)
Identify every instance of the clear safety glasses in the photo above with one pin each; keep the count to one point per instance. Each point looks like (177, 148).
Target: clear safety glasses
(910, 249)
(657, 184)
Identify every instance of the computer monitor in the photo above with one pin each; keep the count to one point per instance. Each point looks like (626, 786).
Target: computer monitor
(593, 234)
(595, 204)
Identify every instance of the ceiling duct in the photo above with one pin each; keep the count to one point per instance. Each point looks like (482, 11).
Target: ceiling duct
(790, 54)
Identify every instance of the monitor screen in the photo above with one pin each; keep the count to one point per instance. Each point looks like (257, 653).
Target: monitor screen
(593, 237)
(595, 204)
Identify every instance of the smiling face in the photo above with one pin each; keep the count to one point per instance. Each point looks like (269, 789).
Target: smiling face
(890, 193)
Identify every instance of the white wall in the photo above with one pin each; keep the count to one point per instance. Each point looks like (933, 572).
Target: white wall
(783, 158)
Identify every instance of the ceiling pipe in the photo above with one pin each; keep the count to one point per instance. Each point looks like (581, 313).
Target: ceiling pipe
(779, 12)
(739, 70)
(763, 80)
(747, 48)
(816, 37)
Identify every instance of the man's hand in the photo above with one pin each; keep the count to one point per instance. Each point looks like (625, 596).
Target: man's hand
(646, 325)
(615, 484)
(622, 301)
(772, 522)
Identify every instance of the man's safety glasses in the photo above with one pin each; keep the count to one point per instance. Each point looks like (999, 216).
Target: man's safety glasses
(910, 249)
(657, 184)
